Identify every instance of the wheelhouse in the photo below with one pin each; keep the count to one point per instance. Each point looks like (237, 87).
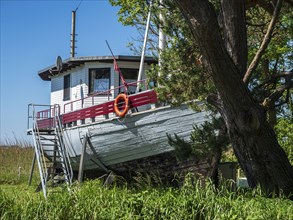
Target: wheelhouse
(84, 88)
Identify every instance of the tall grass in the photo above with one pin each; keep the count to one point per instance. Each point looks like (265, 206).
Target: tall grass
(92, 200)
(191, 201)
(15, 164)
(14, 140)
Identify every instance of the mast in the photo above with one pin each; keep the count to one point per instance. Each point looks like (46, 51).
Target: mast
(72, 47)
(162, 37)
(144, 48)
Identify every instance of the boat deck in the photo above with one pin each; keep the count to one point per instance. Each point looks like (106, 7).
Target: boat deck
(46, 118)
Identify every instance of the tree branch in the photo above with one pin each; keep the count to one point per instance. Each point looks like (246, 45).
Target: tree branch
(270, 101)
(271, 80)
(264, 44)
(266, 5)
(262, 3)
(290, 2)
(285, 101)
(214, 100)
(256, 25)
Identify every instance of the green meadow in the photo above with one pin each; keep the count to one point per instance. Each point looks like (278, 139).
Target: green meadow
(92, 200)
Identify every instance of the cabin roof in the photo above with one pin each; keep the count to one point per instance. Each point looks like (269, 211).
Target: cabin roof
(73, 62)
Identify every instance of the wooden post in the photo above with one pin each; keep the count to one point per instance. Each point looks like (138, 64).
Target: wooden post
(81, 162)
(32, 170)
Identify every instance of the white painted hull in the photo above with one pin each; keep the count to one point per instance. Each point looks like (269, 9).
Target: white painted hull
(139, 135)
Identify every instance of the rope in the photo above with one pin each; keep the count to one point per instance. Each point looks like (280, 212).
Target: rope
(123, 119)
(78, 5)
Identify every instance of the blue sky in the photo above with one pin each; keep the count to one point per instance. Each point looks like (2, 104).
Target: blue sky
(33, 34)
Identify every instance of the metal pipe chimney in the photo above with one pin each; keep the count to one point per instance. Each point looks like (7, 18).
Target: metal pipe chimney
(72, 41)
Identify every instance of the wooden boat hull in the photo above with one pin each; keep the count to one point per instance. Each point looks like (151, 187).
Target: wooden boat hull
(138, 135)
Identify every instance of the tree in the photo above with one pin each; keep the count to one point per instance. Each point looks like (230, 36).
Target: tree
(253, 139)
(217, 31)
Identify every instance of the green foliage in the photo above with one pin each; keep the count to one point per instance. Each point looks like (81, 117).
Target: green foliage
(228, 155)
(284, 130)
(134, 13)
(277, 59)
(280, 49)
(131, 12)
(182, 148)
(182, 78)
(178, 85)
(205, 140)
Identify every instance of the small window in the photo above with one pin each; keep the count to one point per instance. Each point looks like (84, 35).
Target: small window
(99, 80)
(130, 76)
(66, 86)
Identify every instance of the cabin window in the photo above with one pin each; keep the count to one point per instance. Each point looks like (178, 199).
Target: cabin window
(99, 80)
(130, 75)
(66, 86)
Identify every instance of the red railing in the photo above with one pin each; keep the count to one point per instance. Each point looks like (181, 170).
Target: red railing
(95, 98)
(135, 100)
(143, 98)
(90, 112)
(45, 117)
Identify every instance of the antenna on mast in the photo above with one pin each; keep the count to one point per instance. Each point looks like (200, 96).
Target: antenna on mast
(72, 46)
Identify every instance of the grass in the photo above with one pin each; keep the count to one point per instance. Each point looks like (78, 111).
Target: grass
(15, 164)
(92, 200)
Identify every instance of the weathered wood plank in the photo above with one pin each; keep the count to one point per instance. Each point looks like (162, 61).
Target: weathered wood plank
(139, 135)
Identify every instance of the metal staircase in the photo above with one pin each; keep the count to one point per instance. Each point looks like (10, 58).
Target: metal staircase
(50, 150)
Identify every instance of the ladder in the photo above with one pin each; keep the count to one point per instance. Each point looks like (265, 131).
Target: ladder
(51, 153)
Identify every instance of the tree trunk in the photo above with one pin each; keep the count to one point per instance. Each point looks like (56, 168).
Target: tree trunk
(254, 141)
(237, 49)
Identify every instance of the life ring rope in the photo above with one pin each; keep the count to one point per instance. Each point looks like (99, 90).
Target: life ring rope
(119, 99)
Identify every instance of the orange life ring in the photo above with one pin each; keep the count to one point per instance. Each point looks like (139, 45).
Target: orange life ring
(124, 98)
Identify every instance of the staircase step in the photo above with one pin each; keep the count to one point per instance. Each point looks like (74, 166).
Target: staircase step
(48, 145)
(52, 143)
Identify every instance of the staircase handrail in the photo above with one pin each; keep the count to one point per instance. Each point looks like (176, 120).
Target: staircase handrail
(60, 134)
(39, 150)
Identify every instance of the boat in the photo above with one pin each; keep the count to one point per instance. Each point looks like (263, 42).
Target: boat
(101, 119)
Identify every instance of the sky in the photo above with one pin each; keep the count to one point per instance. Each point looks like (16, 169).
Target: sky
(33, 34)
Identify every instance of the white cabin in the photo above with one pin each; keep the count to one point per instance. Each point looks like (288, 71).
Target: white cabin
(82, 77)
